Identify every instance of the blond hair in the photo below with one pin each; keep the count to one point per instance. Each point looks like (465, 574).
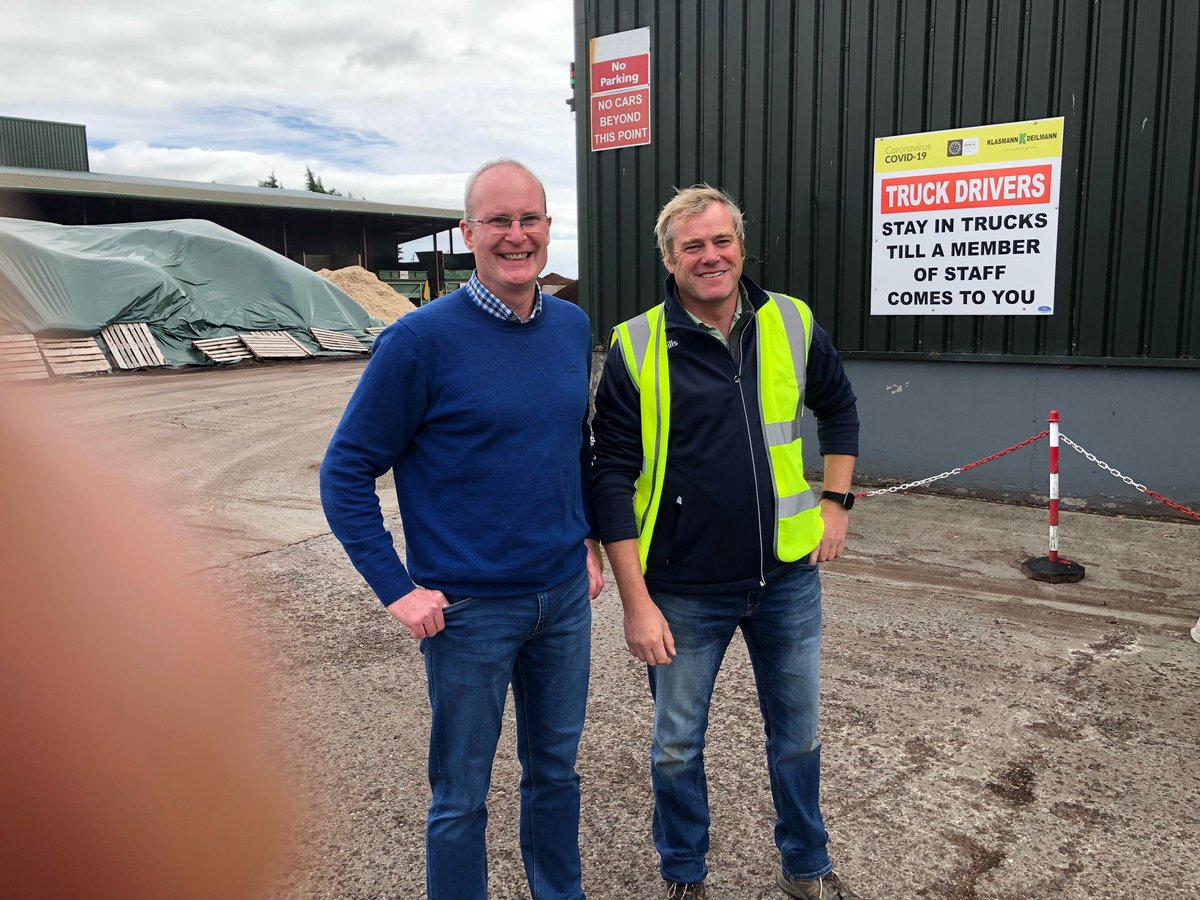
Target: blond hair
(692, 201)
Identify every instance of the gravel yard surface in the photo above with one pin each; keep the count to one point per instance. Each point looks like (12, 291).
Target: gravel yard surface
(985, 736)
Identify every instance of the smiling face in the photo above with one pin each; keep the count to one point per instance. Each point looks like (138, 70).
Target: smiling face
(706, 259)
(509, 262)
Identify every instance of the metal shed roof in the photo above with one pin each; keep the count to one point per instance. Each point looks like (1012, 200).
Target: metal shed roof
(49, 181)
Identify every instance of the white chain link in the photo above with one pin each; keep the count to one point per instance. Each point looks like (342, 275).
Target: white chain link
(1102, 464)
(912, 484)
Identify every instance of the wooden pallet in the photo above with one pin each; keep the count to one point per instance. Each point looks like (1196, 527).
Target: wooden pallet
(132, 345)
(378, 330)
(336, 340)
(273, 345)
(20, 358)
(73, 356)
(224, 349)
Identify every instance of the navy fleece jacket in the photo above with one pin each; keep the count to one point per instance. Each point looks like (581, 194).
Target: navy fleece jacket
(716, 521)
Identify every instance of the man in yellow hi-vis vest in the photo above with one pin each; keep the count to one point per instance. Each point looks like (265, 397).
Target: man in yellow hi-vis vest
(710, 525)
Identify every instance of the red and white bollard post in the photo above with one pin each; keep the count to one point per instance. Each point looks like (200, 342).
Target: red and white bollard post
(1053, 555)
(1051, 567)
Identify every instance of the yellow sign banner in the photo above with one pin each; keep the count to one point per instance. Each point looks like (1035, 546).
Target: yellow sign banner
(1011, 142)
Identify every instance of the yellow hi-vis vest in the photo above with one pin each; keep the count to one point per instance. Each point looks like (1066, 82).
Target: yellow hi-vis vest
(784, 334)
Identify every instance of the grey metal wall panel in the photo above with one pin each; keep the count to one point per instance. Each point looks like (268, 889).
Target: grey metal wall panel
(779, 101)
(1126, 417)
(34, 144)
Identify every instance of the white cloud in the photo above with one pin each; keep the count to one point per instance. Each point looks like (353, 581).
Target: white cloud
(395, 102)
(442, 190)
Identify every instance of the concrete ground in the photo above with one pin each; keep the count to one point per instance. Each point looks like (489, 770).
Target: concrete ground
(984, 736)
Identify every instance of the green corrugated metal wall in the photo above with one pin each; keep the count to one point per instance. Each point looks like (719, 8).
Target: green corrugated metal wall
(779, 101)
(33, 144)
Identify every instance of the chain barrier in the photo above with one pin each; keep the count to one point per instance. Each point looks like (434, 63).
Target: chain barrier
(896, 488)
(1116, 473)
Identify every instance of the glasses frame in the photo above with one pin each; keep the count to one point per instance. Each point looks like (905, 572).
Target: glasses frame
(530, 222)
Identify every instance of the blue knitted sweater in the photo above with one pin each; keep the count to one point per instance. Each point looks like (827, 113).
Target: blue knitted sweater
(483, 424)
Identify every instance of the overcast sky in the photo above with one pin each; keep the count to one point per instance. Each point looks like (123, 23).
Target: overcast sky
(395, 102)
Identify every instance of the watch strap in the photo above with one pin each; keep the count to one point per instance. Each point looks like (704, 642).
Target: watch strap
(842, 499)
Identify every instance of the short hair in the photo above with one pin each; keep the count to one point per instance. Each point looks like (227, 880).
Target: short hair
(692, 201)
(495, 164)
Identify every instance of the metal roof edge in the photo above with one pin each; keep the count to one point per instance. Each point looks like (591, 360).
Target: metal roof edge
(55, 181)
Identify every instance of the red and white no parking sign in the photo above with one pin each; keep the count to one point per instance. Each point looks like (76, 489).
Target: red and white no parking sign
(619, 84)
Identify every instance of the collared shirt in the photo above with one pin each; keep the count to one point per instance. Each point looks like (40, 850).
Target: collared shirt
(712, 329)
(493, 305)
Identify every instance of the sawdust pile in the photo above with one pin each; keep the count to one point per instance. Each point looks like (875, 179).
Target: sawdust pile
(369, 292)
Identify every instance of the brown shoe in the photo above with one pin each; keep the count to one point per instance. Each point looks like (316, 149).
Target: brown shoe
(827, 887)
(679, 890)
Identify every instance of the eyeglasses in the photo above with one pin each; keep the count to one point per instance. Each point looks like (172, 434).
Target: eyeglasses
(500, 224)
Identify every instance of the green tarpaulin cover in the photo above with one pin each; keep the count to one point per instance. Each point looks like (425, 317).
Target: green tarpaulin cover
(186, 278)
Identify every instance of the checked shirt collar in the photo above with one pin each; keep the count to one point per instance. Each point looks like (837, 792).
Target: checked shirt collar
(493, 305)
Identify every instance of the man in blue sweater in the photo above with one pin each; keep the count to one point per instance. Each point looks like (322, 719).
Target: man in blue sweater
(711, 527)
(478, 405)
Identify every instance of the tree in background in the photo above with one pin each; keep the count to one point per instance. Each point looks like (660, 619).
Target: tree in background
(313, 183)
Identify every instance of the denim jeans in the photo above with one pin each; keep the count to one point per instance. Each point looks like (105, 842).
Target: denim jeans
(540, 644)
(781, 625)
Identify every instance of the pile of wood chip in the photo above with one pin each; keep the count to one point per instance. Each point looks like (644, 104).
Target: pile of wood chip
(369, 292)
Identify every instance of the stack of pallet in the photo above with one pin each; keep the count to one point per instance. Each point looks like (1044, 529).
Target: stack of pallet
(276, 345)
(131, 345)
(20, 358)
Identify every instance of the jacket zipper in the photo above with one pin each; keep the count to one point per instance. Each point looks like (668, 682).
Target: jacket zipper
(737, 379)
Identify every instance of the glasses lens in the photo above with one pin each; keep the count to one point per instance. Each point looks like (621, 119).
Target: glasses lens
(531, 222)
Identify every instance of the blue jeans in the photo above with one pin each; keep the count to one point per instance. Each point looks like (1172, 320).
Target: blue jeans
(540, 644)
(781, 625)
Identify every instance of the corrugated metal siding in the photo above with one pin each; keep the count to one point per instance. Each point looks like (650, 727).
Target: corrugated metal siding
(383, 250)
(30, 143)
(315, 233)
(780, 101)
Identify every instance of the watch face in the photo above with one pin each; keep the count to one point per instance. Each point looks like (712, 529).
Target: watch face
(846, 499)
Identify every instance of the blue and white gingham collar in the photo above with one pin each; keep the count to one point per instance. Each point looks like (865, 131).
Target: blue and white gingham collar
(493, 305)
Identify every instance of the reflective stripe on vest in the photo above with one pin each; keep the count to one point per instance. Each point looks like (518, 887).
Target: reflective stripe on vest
(784, 332)
(641, 337)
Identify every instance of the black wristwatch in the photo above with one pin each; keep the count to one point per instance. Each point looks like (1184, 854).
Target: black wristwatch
(846, 499)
